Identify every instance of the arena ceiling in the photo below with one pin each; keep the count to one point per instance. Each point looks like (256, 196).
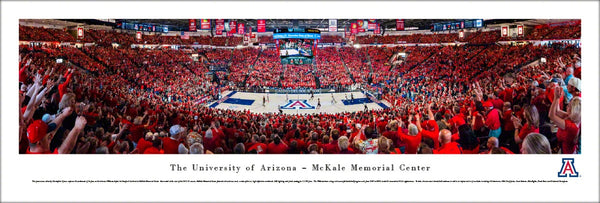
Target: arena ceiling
(420, 24)
(182, 24)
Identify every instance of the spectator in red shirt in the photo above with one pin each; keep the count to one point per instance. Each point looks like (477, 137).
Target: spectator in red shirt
(171, 144)
(259, 147)
(430, 129)
(156, 147)
(506, 138)
(457, 120)
(568, 123)
(144, 143)
(277, 146)
(492, 120)
(531, 125)
(448, 146)
(536, 143)
(412, 140)
(343, 144)
(332, 146)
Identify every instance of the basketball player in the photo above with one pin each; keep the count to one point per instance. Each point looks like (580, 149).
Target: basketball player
(264, 100)
(286, 97)
(366, 108)
(351, 96)
(318, 103)
(333, 99)
(312, 95)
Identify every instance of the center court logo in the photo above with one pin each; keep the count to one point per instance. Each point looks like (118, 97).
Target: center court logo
(568, 168)
(297, 104)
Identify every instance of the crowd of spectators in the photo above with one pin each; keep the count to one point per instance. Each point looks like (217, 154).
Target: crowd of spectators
(234, 41)
(27, 33)
(267, 70)
(444, 100)
(356, 62)
(242, 61)
(267, 39)
(298, 76)
(331, 39)
(331, 70)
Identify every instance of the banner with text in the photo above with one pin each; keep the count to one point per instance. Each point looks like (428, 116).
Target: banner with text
(377, 29)
(241, 29)
(399, 24)
(233, 26)
(220, 25)
(361, 25)
(261, 25)
(372, 25)
(192, 27)
(353, 28)
(80, 32)
(504, 31)
(205, 24)
(332, 25)
(520, 30)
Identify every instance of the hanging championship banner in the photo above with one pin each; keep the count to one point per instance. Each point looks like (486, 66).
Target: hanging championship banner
(504, 31)
(192, 25)
(520, 30)
(399, 24)
(371, 25)
(205, 24)
(261, 25)
(377, 29)
(233, 26)
(360, 24)
(220, 25)
(80, 32)
(332, 25)
(138, 35)
(240, 29)
(353, 28)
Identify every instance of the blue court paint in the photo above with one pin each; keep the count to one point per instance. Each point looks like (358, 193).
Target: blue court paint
(247, 102)
(356, 101)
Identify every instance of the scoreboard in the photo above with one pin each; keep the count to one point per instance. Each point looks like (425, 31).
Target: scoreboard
(455, 25)
(296, 45)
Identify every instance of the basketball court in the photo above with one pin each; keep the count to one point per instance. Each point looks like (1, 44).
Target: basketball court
(298, 103)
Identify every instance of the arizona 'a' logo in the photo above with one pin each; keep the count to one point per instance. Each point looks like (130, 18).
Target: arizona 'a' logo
(297, 104)
(568, 168)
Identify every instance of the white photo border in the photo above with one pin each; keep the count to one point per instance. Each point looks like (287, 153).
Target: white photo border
(18, 171)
